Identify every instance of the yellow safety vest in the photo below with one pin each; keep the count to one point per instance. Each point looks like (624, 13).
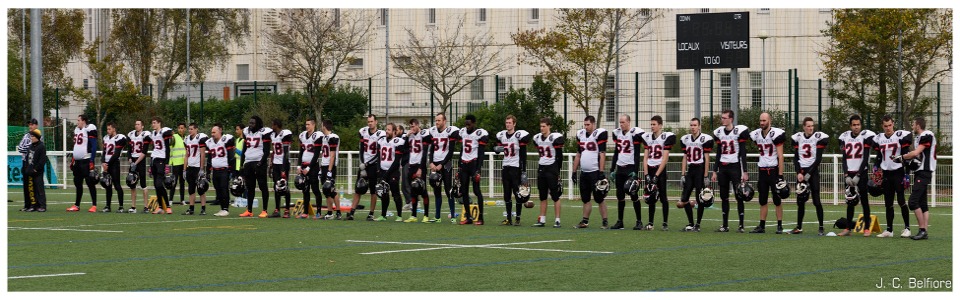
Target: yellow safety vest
(178, 151)
(239, 144)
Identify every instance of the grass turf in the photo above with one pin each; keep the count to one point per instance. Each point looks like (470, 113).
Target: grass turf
(206, 253)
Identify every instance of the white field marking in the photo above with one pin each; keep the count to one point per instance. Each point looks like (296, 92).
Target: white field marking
(63, 229)
(136, 223)
(36, 220)
(491, 246)
(46, 275)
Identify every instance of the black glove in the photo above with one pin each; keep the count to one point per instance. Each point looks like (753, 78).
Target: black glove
(683, 180)
(133, 168)
(573, 177)
(897, 158)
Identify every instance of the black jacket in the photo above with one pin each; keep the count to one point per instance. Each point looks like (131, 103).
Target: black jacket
(36, 159)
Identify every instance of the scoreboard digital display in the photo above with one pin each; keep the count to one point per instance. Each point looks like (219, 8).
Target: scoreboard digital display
(713, 41)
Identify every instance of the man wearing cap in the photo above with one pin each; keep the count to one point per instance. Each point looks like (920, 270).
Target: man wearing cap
(33, 166)
(24, 148)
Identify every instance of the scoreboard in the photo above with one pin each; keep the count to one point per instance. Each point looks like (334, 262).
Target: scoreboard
(713, 41)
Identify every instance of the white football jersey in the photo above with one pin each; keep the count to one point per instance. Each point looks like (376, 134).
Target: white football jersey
(329, 144)
(656, 145)
(194, 145)
(855, 148)
(418, 143)
(471, 142)
(219, 149)
(368, 141)
(307, 143)
(81, 139)
(627, 144)
(767, 144)
(253, 143)
(441, 140)
(927, 157)
(280, 139)
(729, 142)
(390, 150)
(591, 146)
(696, 148)
(112, 145)
(139, 141)
(161, 140)
(891, 146)
(807, 146)
(549, 147)
(511, 143)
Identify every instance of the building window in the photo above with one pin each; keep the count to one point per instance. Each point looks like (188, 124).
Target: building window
(476, 89)
(356, 63)
(764, 11)
(756, 89)
(243, 72)
(431, 16)
(645, 12)
(725, 91)
(482, 15)
(534, 14)
(86, 84)
(336, 17)
(671, 86)
(610, 95)
(384, 13)
(673, 111)
(503, 85)
(704, 10)
(826, 10)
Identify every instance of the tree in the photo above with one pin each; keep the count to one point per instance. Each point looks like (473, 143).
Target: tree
(153, 41)
(62, 36)
(861, 57)
(528, 105)
(114, 92)
(583, 50)
(312, 46)
(447, 59)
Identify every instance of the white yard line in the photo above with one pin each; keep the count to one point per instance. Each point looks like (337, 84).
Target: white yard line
(491, 246)
(46, 275)
(64, 229)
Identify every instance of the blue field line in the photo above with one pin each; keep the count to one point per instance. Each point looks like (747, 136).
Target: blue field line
(821, 271)
(471, 265)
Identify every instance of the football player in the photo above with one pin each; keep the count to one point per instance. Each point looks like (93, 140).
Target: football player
(808, 149)
(696, 148)
(368, 163)
(329, 149)
(418, 142)
(113, 143)
(888, 144)
(222, 165)
(196, 145)
(254, 171)
(731, 166)
(162, 139)
(279, 165)
(627, 139)
(856, 144)
(391, 149)
(84, 152)
(550, 148)
(924, 155)
(590, 159)
(514, 146)
(474, 141)
(139, 141)
(656, 153)
(440, 162)
(311, 148)
(770, 141)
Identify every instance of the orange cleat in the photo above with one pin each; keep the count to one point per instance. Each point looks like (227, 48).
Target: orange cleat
(92, 209)
(169, 211)
(73, 208)
(246, 214)
(263, 214)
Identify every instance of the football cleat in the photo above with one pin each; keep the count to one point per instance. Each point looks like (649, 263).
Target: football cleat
(618, 225)
(796, 231)
(905, 233)
(723, 229)
(758, 229)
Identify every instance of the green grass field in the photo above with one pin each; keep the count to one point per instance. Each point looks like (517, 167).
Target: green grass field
(135, 252)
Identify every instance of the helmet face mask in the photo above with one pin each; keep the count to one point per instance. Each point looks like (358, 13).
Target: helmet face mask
(237, 187)
(132, 180)
(783, 189)
(382, 188)
(602, 188)
(744, 192)
(852, 195)
(803, 192)
(705, 198)
(170, 181)
(417, 186)
(105, 181)
(202, 184)
(650, 191)
(435, 179)
(300, 182)
(281, 187)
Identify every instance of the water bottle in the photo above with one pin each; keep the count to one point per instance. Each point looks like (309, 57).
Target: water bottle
(389, 213)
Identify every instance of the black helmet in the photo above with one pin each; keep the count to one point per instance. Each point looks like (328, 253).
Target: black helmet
(132, 180)
(281, 187)
(601, 189)
(300, 182)
(803, 192)
(435, 179)
(875, 185)
(417, 186)
(455, 189)
(170, 181)
(105, 181)
(523, 194)
(202, 184)
(632, 186)
(650, 191)
(382, 188)
(706, 197)
(329, 189)
(237, 187)
(783, 189)
(94, 177)
(852, 195)
(362, 186)
(744, 192)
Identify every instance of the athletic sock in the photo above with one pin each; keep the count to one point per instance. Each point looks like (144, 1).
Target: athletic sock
(763, 223)
(620, 206)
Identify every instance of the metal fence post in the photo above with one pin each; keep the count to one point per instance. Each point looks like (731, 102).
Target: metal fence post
(796, 99)
(933, 190)
(569, 175)
(789, 94)
(836, 181)
(490, 174)
(820, 102)
(496, 88)
(636, 98)
(349, 172)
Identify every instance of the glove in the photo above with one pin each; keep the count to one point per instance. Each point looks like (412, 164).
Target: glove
(363, 166)
(498, 149)
(476, 177)
(133, 168)
(855, 180)
(363, 173)
(706, 181)
(329, 174)
(848, 181)
(683, 180)
(523, 179)
(800, 177)
(906, 181)
(573, 177)
(201, 175)
(91, 164)
(166, 170)
(656, 178)
(613, 176)
(897, 158)
(602, 175)
(283, 175)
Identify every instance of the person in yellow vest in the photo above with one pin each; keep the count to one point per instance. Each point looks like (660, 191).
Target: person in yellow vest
(238, 129)
(177, 153)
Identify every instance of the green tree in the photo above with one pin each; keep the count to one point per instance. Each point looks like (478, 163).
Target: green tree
(153, 42)
(114, 92)
(861, 58)
(527, 105)
(582, 52)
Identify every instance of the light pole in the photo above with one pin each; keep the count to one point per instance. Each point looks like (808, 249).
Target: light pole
(763, 69)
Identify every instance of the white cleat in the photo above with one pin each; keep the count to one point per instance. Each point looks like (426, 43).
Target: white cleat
(885, 234)
(222, 213)
(905, 233)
